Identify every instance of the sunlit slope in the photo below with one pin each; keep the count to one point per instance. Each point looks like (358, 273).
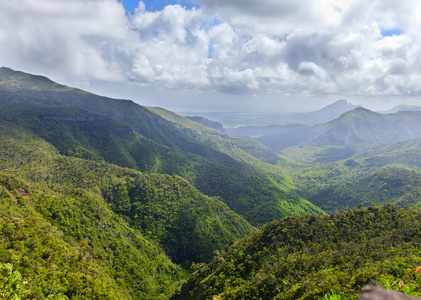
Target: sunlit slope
(240, 149)
(305, 257)
(385, 173)
(18, 87)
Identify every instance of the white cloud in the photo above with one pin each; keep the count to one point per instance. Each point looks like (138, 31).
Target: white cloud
(238, 46)
(77, 37)
(172, 48)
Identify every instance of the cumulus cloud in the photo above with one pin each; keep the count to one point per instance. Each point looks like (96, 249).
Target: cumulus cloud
(71, 36)
(172, 48)
(238, 46)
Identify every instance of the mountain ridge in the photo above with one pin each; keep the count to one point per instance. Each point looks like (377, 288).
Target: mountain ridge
(358, 127)
(153, 140)
(302, 120)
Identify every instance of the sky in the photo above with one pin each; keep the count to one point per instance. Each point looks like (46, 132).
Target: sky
(219, 55)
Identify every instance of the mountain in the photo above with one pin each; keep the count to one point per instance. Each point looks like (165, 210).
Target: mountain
(295, 122)
(326, 114)
(61, 234)
(359, 127)
(402, 107)
(362, 126)
(306, 257)
(243, 173)
(70, 243)
(188, 225)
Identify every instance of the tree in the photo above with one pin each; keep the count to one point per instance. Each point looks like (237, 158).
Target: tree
(11, 285)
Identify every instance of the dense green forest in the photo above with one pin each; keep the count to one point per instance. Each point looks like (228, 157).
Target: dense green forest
(243, 173)
(306, 257)
(161, 206)
(72, 244)
(106, 199)
(391, 185)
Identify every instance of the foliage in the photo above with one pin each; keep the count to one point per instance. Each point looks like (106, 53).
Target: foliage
(307, 257)
(74, 245)
(167, 209)
(334, 296)
(11, 285)
(392, 185)
(188, 225)
(78, 124)
(400, 285)
(378, 174)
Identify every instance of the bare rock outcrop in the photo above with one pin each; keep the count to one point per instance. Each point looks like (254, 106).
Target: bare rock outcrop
(370, 292)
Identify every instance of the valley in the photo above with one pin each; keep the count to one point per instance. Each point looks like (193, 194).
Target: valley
(106, 199)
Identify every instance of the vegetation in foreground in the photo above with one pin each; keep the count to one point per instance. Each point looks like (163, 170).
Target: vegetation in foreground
(90, 229)
(305, 257)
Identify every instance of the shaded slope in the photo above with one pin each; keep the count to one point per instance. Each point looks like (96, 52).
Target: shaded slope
(304, 257)
(80, 133)
(22, 87)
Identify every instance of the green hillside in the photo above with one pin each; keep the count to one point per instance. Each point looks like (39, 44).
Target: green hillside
(87, 126)
(392, 185)
(305, 257)
(385, 173)
(106, 199)
(188, 225)
(72, 244)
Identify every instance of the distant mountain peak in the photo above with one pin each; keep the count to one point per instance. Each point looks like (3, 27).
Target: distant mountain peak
(340, 105)
(327, 113)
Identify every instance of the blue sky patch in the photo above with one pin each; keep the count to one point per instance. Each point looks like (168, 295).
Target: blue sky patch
(391, 32)
(210, 49)
(210, 24)
(155, 5)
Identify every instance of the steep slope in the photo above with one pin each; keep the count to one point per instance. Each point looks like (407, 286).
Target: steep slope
(188, 225)
(305, 257)
(19, 87)
(87, 126)
(72, 244)
(240, 149)
(207, 122)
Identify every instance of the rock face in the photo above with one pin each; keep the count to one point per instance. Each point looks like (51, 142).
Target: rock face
(377, 293)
